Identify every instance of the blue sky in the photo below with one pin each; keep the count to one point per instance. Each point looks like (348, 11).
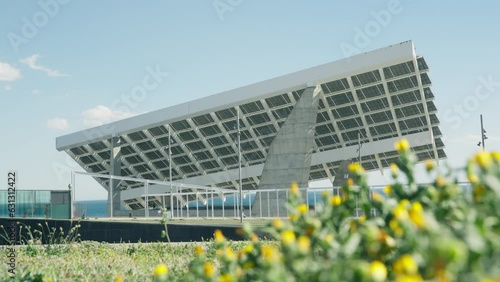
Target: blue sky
(66, 65)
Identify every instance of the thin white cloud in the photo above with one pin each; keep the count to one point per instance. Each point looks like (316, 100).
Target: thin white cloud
(8, 72)
(57, 123)
(100, 115)
(7, 87)
(32, 63)
(35, 91)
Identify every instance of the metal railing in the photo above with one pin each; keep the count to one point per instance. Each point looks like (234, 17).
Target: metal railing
(201, 202)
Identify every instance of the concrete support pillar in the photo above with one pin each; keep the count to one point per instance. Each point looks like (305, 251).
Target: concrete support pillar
(289, 156)
(114, 184)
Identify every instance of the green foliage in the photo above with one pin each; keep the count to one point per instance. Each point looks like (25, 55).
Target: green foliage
(51, 240)
(164, 221)
(434, 232)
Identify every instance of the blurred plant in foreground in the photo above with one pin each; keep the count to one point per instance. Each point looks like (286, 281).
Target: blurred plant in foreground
(435, 232)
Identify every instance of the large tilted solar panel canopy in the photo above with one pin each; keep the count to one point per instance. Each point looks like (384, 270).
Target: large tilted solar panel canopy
(384, 95)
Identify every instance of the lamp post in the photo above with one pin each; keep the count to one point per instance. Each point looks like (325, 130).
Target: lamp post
(359, 148)
(239, 162)
(170, 174)
(71, 200)
(359, 162)
(483, 133)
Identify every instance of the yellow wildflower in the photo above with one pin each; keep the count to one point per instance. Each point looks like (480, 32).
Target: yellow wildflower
(404, 203)
(440, 181)
(388, 189)
(118, 278)
(229, 253)
(226, 278)
(417, 215)
(198, 250)
(328, 238)
(248, 249)
(362, 219)
(350, 182)
(483, 159)
(255, 238)
(393, 224)
(405, 265)
(495, 156)
(269, 253)
(160, 270)
(394, 170)
(356, 168)
(277, 223)
(378, 271)
(218, 236)
(398, 231)
(208, 269)
(386, 239)
(293, 217)
(294, 188)
(402, 145)
(335, 200)
(400, 213)
(219, 253)
(376, 197)
(288, 237)
(416, 206)
(429, 165)
(302, 208)
(473, 178)
(304, 244)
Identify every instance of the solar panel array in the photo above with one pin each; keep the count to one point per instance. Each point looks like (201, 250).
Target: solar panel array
(381, 104)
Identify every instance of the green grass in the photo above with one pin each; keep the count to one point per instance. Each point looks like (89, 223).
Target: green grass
(66, 258)
(93, 261)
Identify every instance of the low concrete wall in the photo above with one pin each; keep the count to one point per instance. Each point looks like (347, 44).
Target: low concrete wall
(116, 232)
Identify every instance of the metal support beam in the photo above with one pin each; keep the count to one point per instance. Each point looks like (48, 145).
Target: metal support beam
(115, 165)
(239, 163)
